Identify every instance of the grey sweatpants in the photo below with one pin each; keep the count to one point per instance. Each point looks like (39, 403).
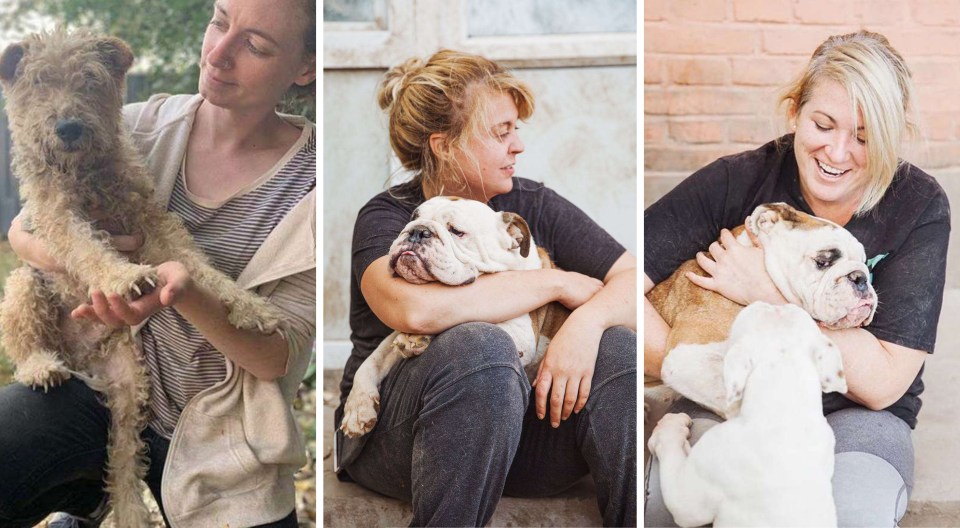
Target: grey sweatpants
(457, 429)
(872, 475)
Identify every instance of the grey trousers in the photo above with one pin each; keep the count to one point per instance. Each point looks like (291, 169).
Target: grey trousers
(457, 429)
(872, 475)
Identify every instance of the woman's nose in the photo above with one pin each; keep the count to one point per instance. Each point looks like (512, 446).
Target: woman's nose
(517, 145)
(838, 150)
(221, 56)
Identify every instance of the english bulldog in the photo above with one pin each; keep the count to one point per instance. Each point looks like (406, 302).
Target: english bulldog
(771, 462)
(454, 241)
(816, 264)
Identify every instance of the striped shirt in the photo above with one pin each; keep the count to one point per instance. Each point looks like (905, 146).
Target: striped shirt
(180, 360)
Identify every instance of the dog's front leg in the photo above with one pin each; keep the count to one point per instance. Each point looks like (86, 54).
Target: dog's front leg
(686, 494)
(363, 402)
(87, 255)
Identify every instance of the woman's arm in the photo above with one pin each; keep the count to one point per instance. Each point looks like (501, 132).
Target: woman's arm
(567, 369)
(34, 253)
(496, 297)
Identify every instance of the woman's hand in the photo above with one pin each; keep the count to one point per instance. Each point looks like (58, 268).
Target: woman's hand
(115, 311)
(577, 288)
(736, 271)
(567, 369)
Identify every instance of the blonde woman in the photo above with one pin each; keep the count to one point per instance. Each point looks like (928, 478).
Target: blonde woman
(848, 112)
(460, 425)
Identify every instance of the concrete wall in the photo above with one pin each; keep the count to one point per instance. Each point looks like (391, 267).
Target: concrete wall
(712, 70)
(581, 140)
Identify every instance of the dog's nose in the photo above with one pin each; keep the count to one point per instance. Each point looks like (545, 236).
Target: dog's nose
(419, 234)
(859, 280)
(69, 130)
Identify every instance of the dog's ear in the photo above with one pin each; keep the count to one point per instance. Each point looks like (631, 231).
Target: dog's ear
(829, 363)
(737, 366)
(766, 216)
(9, 61)
(115, 54)
(518, 229)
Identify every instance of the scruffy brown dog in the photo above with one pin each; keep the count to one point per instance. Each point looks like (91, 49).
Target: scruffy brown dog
(75, 161)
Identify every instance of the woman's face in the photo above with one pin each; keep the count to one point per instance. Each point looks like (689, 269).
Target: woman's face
(487, 160)
(831, 149)
(253, 52)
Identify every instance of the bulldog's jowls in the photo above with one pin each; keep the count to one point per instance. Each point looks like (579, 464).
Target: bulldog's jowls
(771, 463)
(816, 264)
(454, 241)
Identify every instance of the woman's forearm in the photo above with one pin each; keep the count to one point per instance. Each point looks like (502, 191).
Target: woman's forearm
(264, 356)
(432, 308)
(29, 249)
(878, 373)
(616, 303)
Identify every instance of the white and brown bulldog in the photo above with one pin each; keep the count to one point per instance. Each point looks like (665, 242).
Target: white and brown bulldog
(454, 241)
(771, 463)
(816, 264)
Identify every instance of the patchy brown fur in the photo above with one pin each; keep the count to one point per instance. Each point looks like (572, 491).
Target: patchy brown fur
(66, 180)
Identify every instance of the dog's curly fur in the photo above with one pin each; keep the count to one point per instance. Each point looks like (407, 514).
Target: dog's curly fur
(76, 163)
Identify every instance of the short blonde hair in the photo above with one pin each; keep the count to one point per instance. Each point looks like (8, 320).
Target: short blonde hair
(879, 85)
(446, 94)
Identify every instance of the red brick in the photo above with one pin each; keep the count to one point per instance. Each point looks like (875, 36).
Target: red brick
(655, 101)
(795, 40)
(754, 130)
(714, 101)
(763, 71)
(654, 131)
(699, 71)
(685, 159)
(655, 9)
(700, 40)
(937, 98)
(937, 12)
(929, 41)
(763, 10)
(825, 12)
(939, 126)
(941, 154)
(653, 71)
(872, 13)
(699, 10)
(933, 71)
(697, 131)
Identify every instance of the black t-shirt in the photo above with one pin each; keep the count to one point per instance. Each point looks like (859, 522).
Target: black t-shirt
(908, 231)
(575, 242)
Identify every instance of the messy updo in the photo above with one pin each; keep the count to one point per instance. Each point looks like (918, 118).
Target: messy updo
(447, 95)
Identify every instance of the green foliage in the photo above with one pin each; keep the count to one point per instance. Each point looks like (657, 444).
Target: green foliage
(8, 262)
(165, 36)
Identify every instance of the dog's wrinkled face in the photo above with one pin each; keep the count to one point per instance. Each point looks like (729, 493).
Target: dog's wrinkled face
(65, 91)
(454, 240)
(783, 335)
(816, 264)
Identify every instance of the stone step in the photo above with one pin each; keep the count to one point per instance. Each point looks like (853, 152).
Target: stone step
(350, 505)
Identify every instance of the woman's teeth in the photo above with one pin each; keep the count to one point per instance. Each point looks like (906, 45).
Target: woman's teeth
(830, 171)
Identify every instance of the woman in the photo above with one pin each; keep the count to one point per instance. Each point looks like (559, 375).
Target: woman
(848, 112)
(460, 425)
(221, 434)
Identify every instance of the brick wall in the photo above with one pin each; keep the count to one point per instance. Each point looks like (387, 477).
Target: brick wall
(713, 69)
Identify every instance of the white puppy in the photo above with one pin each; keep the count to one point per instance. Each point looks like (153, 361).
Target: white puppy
(771, 463)
(453, 241)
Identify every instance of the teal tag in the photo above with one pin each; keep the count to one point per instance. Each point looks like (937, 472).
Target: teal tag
(871, 263)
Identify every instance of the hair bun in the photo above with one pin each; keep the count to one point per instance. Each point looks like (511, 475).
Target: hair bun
(395, 79)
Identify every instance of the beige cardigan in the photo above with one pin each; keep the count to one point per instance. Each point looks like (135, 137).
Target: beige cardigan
(236, 446)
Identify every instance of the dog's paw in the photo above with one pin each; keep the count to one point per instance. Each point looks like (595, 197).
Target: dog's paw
(255, 313)
(42, 369)
(672, 430)
(360, 413)
(131, 282)
(410, 345)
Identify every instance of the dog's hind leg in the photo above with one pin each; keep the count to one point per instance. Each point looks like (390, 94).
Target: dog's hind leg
(125, 388)
(29, 319)
(696, 372)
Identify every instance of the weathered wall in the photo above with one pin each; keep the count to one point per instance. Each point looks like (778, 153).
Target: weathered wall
(713, 68)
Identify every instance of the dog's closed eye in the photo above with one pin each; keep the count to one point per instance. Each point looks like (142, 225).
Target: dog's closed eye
(826, 258)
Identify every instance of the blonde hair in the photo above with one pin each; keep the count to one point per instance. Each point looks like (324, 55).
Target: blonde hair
(879, 85)
(447, 95)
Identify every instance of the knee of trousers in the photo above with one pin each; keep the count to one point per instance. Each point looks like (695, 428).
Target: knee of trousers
(878, 433)
(617, 358)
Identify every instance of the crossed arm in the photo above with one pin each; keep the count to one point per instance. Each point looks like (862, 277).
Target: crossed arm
(571, 357)
(878, 372)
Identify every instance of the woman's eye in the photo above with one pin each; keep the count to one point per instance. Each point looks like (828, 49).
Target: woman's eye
(819, 127)
(216, 23)
(455, 232)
